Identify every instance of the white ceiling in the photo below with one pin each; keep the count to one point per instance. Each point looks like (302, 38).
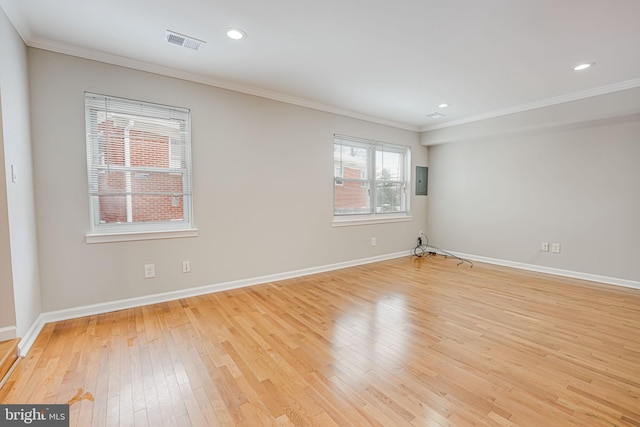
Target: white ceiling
(388, 61)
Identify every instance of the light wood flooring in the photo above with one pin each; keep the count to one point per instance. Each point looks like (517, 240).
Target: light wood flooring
(406, 342)
(8, 356)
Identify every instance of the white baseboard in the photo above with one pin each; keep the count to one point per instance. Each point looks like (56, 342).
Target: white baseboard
(7, 333)
(549, 270)
(30, 336)
(89, 310)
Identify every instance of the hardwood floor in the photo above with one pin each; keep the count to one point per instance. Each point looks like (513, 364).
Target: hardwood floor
(8, 356)
(406, 342)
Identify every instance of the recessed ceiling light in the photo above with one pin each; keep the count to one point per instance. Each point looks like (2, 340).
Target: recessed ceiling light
(435, 115)
(584, 66)
(236, 34)
(443, 105)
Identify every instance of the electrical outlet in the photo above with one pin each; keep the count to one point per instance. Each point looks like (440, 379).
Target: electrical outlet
(545, 247)
(420, 233)
(186, 266)
(555, 248)
(373, 241)
(149, 271)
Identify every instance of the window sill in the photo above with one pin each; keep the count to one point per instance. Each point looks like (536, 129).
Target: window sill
(142, 235)
(347, 222)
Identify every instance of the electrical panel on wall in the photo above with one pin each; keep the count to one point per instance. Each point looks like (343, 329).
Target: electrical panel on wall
(422, 177)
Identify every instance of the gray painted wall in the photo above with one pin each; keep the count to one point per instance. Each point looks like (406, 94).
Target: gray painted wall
(20, 284)
(263, 188)
(7, 309)
(506, 185)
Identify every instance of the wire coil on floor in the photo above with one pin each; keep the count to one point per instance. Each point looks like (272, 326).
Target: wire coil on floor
(423, 248)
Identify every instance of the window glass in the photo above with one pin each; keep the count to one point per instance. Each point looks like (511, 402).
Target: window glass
(357, 191)
(139, 165)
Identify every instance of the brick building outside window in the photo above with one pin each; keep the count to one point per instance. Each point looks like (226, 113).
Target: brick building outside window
(139, 165)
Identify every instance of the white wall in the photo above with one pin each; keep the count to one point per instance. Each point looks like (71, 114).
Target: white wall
(20, 280)
(504, 186)
(262, 182)
(7, 309)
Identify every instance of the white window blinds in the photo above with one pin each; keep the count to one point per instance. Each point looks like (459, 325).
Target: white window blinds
(138, 165)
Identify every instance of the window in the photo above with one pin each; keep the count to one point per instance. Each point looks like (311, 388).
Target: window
(337, 174)
(139, 166)
(371, 178)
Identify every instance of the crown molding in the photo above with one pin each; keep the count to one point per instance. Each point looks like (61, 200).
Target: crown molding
(574, 96)
(12, 11)
(39, 43)
(207, 80)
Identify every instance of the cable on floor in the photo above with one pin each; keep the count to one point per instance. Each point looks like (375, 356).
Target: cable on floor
(423, 248)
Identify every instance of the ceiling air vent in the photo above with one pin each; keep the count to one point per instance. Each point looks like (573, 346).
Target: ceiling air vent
(182, 40)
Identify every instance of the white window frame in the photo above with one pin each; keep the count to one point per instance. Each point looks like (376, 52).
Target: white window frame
(95, 105)
(370, 182)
